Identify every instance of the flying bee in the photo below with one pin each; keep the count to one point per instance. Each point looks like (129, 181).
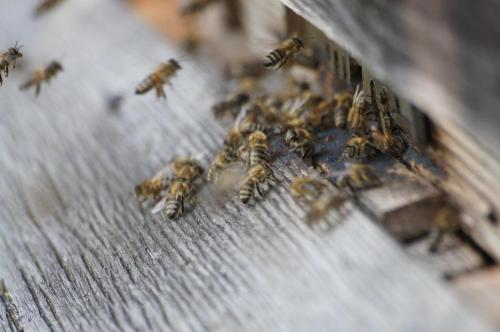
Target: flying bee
(356, 114)
(180, 190)
(358, 176)
(46, 5)
(358, 147)
(42, 75)
(186, 168)
(344, 103)
(161, 76)
(8, 58)
(257, 175)
(231, 105)
(288, 49)
(191, 7)
(152, 188)
(301, 141)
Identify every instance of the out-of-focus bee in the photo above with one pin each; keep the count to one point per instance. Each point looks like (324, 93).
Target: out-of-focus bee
(358, 176)
(45, 6)
(424, 173)
(42, 75)
(358, 147)
(323, 115)
(257, 175)
(152, 188)
(288, 49)
(320, 207)
(344, 104)
(446, 221)
(190, 7)
(8, 58)
(231, 105)
(301, 141)
(250, 120)
(222, 161)
(161, 76)
(308, 188)
(356, 114)
(258, 149)
(186, 168)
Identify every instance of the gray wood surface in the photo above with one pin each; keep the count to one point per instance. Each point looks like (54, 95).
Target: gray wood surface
(76, 253)
(440, 55)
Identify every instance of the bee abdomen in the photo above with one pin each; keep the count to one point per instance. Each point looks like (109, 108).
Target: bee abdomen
(246, 192)
(274, 58)
(173, 208)
(258, 156)
(341, 117)
(147, 84)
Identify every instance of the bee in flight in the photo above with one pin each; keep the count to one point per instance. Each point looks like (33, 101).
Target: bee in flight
(40, 75)
(8, 58)
(288, 49)
(45, 6)
(161, 76)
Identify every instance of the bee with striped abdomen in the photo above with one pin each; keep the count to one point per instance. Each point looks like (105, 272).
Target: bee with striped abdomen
(344, 103)
(42, 75)
(301, 141)
(257, 175)
(258, 149)
(282, 55)
(161, 76)
(180, 190)
(8, 58)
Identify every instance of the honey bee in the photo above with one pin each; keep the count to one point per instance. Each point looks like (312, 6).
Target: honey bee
(301, 141)
(230, 105)
(161, 76)
(358, 147)
(320, 207)
(446, 221)
(180, 190)
(152, 188)
(308, 188)
(358, 176)
(344, 103)
(288, 49)
(8, 58)
(186, 168)
(191, 7)
(323, 115)
(259, 149)
(42, 75)
(45, 6)
(233, 140)
(356, 114)
(222, 161)
(250, 120)
(257, 175)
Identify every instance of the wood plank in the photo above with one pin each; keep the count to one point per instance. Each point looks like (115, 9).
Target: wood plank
(442, 57)
(78, 254)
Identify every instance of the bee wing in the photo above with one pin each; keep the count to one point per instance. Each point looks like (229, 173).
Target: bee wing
(159, 206)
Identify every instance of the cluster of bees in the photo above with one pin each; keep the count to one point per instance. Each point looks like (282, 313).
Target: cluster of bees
(295, 116)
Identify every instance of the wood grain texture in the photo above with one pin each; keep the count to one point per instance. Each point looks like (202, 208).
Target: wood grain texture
(440, 55)
(77, 254)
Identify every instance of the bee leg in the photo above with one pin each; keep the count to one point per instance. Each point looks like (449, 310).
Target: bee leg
(38, 88)
(160, 93)
(7, 70)
(181, 211)
(434, 247)
(257, 188)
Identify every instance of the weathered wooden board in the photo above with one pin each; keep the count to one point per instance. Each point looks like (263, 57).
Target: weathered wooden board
(76, 253)
(440, 55)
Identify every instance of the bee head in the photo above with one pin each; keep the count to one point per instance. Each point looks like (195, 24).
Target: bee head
(16, 51)
(56, 66)
(175, 64)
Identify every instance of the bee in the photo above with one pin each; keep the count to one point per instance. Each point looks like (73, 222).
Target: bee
(46, 5)
(191, 7)
(42, 74)
(222, 161)
(288, 49)
(8, 58)
(152, 188)
(323, 115)
(232, 142)
(358, 176)
(356, 114)
(344, 103)
(259, 149)
(308, 188)
(180, 190)
(301, 141)
(257, 175)
(162, 75)
(186, 168)
(249, 120)
(320, 207)
(446, 221)
(231, 105)
(358, 147)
